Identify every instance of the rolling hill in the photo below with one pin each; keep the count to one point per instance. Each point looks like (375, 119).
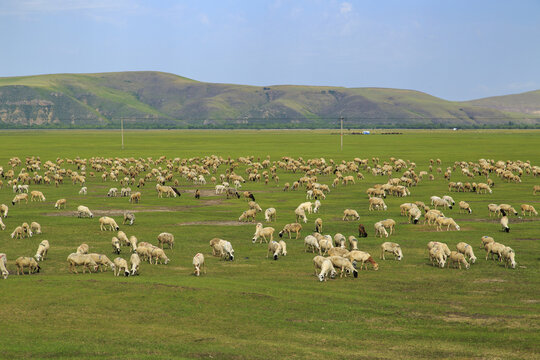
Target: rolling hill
(163, 100)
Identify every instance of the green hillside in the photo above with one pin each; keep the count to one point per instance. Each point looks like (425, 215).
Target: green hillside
(162, 100)
(527, 103)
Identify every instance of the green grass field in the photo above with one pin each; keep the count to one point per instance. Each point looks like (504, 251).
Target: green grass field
(257, 308)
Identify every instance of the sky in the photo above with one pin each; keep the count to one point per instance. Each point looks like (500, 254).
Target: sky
(456, 50)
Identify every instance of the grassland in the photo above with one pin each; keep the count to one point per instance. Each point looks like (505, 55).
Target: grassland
(255, 308)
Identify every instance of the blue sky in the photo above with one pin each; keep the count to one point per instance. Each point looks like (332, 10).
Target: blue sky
(457, 50)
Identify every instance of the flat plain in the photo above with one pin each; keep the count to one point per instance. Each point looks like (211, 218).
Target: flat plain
(258, 308)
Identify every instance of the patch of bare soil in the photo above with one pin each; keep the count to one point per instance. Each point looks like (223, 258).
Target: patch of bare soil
(484, 281)
(215, 222)
(120, 212)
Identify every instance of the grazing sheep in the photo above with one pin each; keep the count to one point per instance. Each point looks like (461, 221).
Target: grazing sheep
(83, 211)
(128, 217)
(338, 251)
(254, 205)
(317, 206)
(27, 230)
(414, 215)
(133, 243)
(291, 228)
(18, 198)
(339, 240)
(83, 190)
(504, 222)
(228, 251)
(3, 266)
(464, 206)
(159, 255)
(123, 238)
(392, 248)
(317, 262)
(443, 246)
(362, 231)
(270, 214)
(459, 258)
(102, 261)
(60, 203)
(249, 195)
(283, 245)
(18, 233)
(485, 240)
(108, 224)
(389, 224)
(350, 214)
(135, 197)
(431, 216)
(247, 215)
(467, 250)
(116, 245)
(325, 245)
(376, 203)
(437, 254)
(125, 192)
(362, 257)
(449, 199)
(42, 250)
(528, 208)
(327, 269)
(483, 188)
(83, 249)
(26, 262)
(135, 262)
(437, 201)
(120, 264)
(4, 210)
(35, 228)
(275, 248)
(311, 243)
(344, 265)
(2, 225)
(380, 230)
(536, 188)
(493, 209)
(318, 225)
(448, 222)
(508, 256)
(300, 214)
(353, 243)
(113, 192)
(198, 263)
(37, 196)
(262, 233)
(505, 208)
(166, 238)
(494, 248)
(306, 206)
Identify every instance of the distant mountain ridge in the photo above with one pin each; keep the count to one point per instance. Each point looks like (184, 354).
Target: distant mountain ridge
(146, 99)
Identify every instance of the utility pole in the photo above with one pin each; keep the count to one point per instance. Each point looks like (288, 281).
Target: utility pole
(122, 130)
(341, 133)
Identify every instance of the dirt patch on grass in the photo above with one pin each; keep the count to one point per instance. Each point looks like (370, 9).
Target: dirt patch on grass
(215, 223)
(484, 281)
(119, 212)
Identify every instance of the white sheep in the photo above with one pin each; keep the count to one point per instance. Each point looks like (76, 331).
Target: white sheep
(362, 257)
(35, 227)
(2, 225)
(128, 217)
(3, 266)
(84, 260)
(159, 256)
(247, 215)
(113, 192)
(83, 249)
(300, 214)
(270, 214)
(350, 214)
(344, 265)
(339, 240)
(198, 263)
(306, 206)
(60, 203)
(318, 225)
(37, 196)
(504, 222)
(123, 238)
(18, 233)
(448, 222)
(283, 245)
(380, 230)
(526, 208)
(376, 203)
(437, 201)
(494, 248)
(508, 256)
(102, 261)
(133, 243)
(291, 228)
(108, 223)
(116, 245)
(83, 211)
(262, 233)
(414, 215)
(325, 245)
(135, 261)
(316, 206)
(275, 248)
(120, 264)
(4, 209)
(18, 198)
(437, 254)
(228, 251)
(311, 243)
(166, 238)
(458, 258)
(443, 246)
(83, 190)
(42, 250)
(327, 269)
(338, 251)
(449, 199)
(353, 243)
(485, 240)
(467, 250)
(392, 248)
(26, 262)
(464, 206)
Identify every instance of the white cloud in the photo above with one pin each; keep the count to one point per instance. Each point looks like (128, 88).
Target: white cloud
(345, 8)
